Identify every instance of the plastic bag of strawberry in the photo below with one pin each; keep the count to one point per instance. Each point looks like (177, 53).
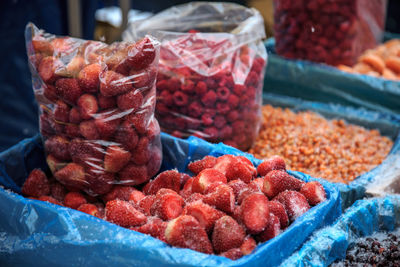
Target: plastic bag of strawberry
(96, 106)
(211, 70)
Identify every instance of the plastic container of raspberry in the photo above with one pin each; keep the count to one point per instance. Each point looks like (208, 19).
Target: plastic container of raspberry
(364, 218)
(380, 180)
(96, 105)
(319, 82)
(211, 70)
(333, 32)
(35, 233)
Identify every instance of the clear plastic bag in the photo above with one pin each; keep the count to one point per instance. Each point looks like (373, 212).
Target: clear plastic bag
(211, 70)
(330, 31)
(96, 106)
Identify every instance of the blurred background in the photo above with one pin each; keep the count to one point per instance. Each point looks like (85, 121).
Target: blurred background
(88, 19)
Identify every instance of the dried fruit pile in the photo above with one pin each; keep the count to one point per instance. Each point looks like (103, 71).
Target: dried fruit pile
(309, 143)
(211, 88)
(225, 208)
(383, 61)
(330, 31)
(97, 110)
(380, 249)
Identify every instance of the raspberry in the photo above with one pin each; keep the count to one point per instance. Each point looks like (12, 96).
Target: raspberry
(167, 206)
(201, 88)
(232, 116)
(73, 175)
(115, 159)
(195, 109)
(131, 100)
(211, 133)
(68, 89)
(180, 98)
(219, 121)
(58, 147)
(36, 184)
(279, 211)
(74, 199)
(124, 214)
(226, 132)
(168, 179)
(205, 178)
(204, 214)
(74, 116)
(223, 93)
(88, 78)
(255, 212)
(223, 108)
(227, 234)
(188, 86)
(233, 101)
(207, 119)
(161, 84)
(270, 164)
(174, 84)
(88, 130)
(50, 200)
(239, 90)
(186, 232)
(89, 209)
(238, 126)
(204, 163)
(113, 83)
(295, 203)
(166, 98)
(314, 192)
(209, 99)
(133, 174)
(278, 181)
(106, 102)
(252, 79)
(87, 106)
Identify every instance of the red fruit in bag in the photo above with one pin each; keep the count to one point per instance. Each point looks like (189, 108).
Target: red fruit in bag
(74, 116)
(130, 100)
(133, 174)
(124, 214)
(107, 122)
(106, 102)
(68, 89)
(113, 83)
(74, 199)
(61, 111)
(73, 175)
(141, 54)
(100, 182)
(314, 192)
(116, 158)
(88, 78)
(58, 147)
(88, 106)
(186, 232)
(88, 130)
(36, 184)
(47, 69)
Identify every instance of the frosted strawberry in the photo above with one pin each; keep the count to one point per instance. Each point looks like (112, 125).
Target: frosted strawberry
(99, 181)
(314, 192)
(205, 178)
(222, 197)
(146, 203)
(141, 54)
(88, 78)
(58, 147)
(248, 245)
(186, 232)
(273, 163)
(124, 214)
(113, 83)
(233, 254)
(204, 163)
(238, 186)
(107, 122)
(136, 196)
(227, 234)
(241, 168)
(119, 192)
(61, 111)
(223, 163)
(106, 102)
(116, 158)
(295, 203)
(204, 214)
(89, 209)
(154, 227)
(131, 100)
(88, 106)
(50, 200)
(58, 191)
(47, 69)
(193, 198)
(277, 181)
(273, 229)
(74, 199)
(88, 130)
(187, 188)
(168, 179)
(255, 213)
(279, 211)
(36, 184)
(73, 174)
(68, 89)
(167, 206)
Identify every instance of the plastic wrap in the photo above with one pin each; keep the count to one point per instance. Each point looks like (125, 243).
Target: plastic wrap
(35, 233)
(361, 220)
(382, 179)
(96, 109)
(211, 70)
(334, 32)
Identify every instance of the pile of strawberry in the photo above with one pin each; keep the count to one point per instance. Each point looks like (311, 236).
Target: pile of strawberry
(208, 88)
(97, 110)
(225, 208)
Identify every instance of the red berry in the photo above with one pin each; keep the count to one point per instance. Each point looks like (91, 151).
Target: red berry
(88, 130)
(255, 212)
(87, 105)
(168, 179)
(167, 206)
(58, 147)
(295, 203)
(47, 69)
(278, 181)
(222, 197)
(224, 163)
(119, 192)
(58, 191)
(141, 54)
(273, 229)
(61, 111)
(106, 102)
(127, 136)
(116, 158)
(279, 211)
(136, 196)
(223, 93)
(154, 227)
(107, 122)
(204, 214)
(205, 178)
(36, 184)
(273, 163)
(113, 83)
(50, 199)
(146, 203)
(314, 192)
(124, 214)
(99, 181)
(73, 175)
(248, 245)
(88, 78)
(204, 163)
(237, 186)
(50, 92)
(131, 100)
(201, 88)
(180, 98)
(227, 234)
(68, 89)
(239, 170)
(89, 209)
(233, 254)
(75, 116)
(74, 199)
(209, 99)
(133, 174)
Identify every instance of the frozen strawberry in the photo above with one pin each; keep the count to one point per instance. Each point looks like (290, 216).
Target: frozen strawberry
(58, 191)
(99, 181)
(240, 170)
(36, 184)
(127, 136)
(88, 78)
(142, 78)
(61, 111)
(89, 209)
(167, 206)
(86, 153)
(50, 199)
(204, 163)
(314, 192)
(131, 100)
(204, 214)
(50, 92)
(222, 197)
(73, 174)
(250, 189)
(73, 67)
(116, 158)
(140, 120)
(136, 196)
(259, 182)
(72, 130)
(273, 229)
(224, 163)
(124, 214)
(227, 234)
(205, 178)
(63, 45)
(233, 254)
(58, 147)
(88, 130)
(133, 174)
(146, 203)
(87, 105)
(154, 227)
(107, 122)
(277, 181)
(74, 116)
(74, 199)
(273, 163)
(248, 245)
(69, 90)
(42, 46)
(106, 102)
(295, 203)
(119, 192)
(54, 163)
(47, 69)
(141, 54)
(237, 186)
(186, 232)
(255, 213)
(194, 197)
(168, 179)
(184, 178)
(187, 188)
(279, 211)
(113, 83)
